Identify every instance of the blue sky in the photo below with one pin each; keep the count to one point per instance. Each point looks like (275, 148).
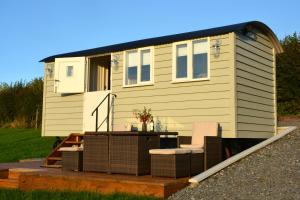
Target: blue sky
(33, 29)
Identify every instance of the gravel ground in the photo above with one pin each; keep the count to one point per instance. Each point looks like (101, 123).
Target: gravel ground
(270, 173)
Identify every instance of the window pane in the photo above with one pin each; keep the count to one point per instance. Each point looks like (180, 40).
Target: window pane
(132, 75)
(131, 65)
(145, 65)
(69, 71)
(200, 65)
(132, 58)
(200, 48)
(181, 61)
(145, 76)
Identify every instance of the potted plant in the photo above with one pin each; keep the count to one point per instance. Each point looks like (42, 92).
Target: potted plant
(144, 116)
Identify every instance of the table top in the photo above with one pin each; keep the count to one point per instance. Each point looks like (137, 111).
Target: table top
(132, 133)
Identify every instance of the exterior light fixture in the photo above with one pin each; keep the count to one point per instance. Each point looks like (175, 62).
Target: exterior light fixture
(251, 35)
(217, 48)
(115, 61)
(249, 32)
(49, 70)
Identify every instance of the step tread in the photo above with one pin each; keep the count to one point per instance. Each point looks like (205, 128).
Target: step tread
(73, 142)
(52, 166)
(9, 183)
(54, 158)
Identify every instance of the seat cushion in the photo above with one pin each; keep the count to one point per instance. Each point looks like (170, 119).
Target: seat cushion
(191, 146)
(70, 149)
(201, 129)
(197, 150)
(169, 151)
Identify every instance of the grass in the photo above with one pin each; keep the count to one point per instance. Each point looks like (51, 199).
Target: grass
(37, 195)
(17, 144)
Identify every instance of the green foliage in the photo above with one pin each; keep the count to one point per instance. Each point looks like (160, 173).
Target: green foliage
(37, 195)
(16, 144)
(19, 103)
(288, 76)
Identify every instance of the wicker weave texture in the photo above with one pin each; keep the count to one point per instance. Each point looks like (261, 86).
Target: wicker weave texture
(175, 165)
(183, 140)
(72, 160)
(130, 154)
(212, 151)
(197, 163)
(95, 153)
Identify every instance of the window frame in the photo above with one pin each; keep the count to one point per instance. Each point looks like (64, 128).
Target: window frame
(190, 45)
(139, 67)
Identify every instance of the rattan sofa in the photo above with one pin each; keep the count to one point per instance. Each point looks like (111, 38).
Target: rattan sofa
(205, 137)
(213, 153)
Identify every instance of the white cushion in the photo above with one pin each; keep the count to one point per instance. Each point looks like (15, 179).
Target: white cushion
(197, 150)
(70, 149)
(201, 129)
(191, 146)
(169, 151)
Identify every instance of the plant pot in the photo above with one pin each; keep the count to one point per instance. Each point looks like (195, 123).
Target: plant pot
(144, 127)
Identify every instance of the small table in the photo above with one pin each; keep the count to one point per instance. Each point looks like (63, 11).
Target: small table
(129, 151)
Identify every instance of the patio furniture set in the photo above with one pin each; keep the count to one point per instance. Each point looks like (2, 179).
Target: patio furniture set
(143, 153)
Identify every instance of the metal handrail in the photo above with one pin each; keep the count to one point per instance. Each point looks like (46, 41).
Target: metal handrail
(108, 111)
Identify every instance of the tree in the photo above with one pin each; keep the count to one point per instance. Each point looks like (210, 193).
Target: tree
(19, 103)
(288, 76)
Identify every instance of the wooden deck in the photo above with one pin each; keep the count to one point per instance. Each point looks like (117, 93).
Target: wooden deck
(29, 176)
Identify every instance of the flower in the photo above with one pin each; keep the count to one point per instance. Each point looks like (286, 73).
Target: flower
(143, 115)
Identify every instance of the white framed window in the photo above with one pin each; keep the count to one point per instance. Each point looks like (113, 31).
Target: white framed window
(69, 71)
(131, 71)
(181, 61)
(191, 60)
(138, 67)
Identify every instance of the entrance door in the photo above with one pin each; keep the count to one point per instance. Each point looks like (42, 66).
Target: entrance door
(69, 75)
(99, 74)
(98, 87)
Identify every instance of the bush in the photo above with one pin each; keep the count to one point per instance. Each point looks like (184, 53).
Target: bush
(19, 103)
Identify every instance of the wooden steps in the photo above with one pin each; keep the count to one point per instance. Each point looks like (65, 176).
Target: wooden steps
(73, 142)
(9, 183)
(55, 156)
(9, 178)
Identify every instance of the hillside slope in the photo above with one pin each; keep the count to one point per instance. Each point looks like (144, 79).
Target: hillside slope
(270, 173)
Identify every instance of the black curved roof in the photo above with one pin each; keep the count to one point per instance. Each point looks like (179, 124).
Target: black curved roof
(241, 27)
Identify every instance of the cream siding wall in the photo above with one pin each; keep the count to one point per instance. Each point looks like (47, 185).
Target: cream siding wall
(177, 105)
(255, 77)
(62, 115)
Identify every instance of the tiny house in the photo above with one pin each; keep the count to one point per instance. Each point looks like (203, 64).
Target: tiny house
(225, 74)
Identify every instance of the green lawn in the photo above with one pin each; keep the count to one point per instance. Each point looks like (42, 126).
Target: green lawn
(38, 195)
(16, 144)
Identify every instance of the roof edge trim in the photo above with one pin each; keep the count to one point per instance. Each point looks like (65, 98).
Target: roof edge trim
(175, 38)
